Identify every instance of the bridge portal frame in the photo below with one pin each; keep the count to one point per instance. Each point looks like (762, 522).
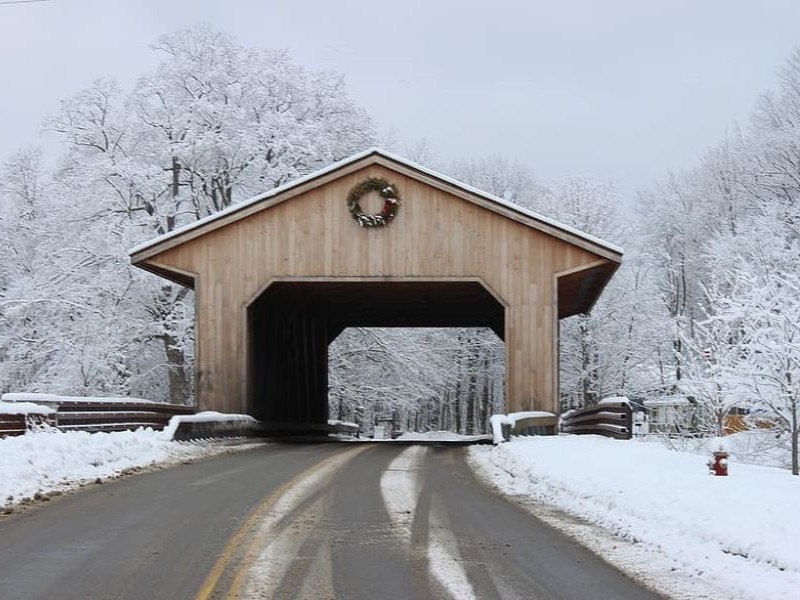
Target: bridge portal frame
(444, 231)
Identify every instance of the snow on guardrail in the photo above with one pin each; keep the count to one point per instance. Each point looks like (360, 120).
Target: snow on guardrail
(209, 423)
(504, 425)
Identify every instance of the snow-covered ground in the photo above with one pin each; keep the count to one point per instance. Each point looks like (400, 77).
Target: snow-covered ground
(52, 461)
(657, 514)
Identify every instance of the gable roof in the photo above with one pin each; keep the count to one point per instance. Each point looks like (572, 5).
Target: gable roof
(374, 156)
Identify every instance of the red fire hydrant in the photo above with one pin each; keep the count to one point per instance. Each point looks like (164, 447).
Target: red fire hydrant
(719, 464)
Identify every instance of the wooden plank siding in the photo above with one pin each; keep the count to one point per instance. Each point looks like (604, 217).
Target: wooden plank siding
(437, 235)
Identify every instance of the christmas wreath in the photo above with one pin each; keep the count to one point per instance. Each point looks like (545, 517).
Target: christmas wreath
(386, 190)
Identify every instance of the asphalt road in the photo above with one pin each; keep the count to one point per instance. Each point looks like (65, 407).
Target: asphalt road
(299, 521)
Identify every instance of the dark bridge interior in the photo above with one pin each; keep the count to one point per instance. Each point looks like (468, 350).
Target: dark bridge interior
(291, 325)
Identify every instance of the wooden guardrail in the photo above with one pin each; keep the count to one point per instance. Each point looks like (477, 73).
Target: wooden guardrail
(611, 419)
(12, 425)
(230, 426)
(538, 425)
(18, 424)
(116, 416)
(76, 415)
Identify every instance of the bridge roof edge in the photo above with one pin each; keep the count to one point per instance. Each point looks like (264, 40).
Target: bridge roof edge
(150, 248)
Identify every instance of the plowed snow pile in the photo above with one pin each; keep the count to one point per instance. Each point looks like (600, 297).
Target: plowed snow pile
(51, 460)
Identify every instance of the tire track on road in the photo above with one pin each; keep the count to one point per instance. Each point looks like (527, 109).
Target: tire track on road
(234, 575)
(369, 559)
(420, 521)
(391, 521)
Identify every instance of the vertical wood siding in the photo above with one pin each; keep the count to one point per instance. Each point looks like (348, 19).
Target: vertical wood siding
(435, 235)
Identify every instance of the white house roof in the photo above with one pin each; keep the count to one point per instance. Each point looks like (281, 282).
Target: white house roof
(668, 401)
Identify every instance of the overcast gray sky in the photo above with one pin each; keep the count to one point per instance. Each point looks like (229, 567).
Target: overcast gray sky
(621, 89)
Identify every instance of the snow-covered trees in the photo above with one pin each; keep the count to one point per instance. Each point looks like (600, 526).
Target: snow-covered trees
(25, 346)
(705, 304)
(430, 379)
(225, 121)
(214, 123)
(755, 327)
(724, 240)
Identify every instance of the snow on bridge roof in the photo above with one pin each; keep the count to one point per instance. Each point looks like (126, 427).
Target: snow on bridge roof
(530, 218)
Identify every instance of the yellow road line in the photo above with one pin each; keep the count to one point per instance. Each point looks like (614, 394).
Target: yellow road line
(254, 547)
(257, 514)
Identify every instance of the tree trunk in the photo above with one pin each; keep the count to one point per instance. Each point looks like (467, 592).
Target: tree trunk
(457, 400)
(587, 392)
(472, 399)
(795, 435)
(485, 396)
(180, 389)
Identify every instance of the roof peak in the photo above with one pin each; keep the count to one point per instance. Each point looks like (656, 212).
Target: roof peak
(391, 157)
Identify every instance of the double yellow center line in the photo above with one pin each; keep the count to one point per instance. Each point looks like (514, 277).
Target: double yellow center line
(227, 577)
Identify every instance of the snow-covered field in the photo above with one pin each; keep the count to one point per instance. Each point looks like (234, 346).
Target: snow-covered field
(657, 514)
(53, 461)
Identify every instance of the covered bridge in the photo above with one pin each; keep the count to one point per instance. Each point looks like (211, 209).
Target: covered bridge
(373, 240)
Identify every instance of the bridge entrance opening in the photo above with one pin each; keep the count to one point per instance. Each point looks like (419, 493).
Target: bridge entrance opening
(292, 324)
(398, 380)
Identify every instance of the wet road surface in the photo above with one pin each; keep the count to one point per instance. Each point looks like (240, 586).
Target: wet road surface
(311, 521)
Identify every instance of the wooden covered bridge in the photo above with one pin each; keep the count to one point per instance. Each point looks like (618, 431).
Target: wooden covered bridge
(373, 240)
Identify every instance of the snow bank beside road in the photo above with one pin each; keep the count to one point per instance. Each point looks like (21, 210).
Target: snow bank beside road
(51, 460)
(694, 534)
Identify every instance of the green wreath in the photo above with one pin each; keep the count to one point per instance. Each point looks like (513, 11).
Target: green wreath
(391, 202)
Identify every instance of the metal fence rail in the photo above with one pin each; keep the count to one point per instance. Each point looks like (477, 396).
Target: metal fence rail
(611, 419)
